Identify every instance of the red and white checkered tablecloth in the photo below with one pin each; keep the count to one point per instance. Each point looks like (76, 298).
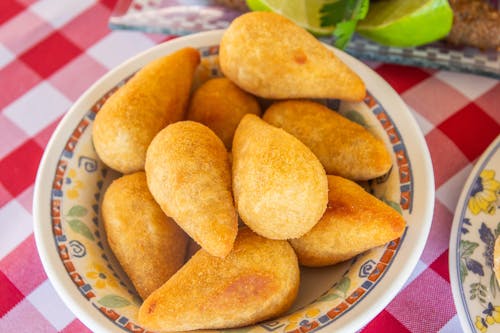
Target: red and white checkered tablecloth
(52, 50)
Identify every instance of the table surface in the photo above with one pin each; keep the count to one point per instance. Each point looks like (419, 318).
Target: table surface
(52, 51)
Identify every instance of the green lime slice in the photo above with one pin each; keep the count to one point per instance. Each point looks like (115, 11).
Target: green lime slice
(306, 13)
(406, 23)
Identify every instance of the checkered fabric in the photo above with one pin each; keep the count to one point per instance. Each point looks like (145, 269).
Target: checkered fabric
(52, 50)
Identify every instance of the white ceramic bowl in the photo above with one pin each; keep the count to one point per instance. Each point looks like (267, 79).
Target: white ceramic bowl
(71, 181)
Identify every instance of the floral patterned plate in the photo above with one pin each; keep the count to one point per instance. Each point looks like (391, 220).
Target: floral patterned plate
(475, 227)
(71, 241)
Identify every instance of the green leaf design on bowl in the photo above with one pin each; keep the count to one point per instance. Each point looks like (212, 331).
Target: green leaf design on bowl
(79, 227)
(77, 211)
(114, 301)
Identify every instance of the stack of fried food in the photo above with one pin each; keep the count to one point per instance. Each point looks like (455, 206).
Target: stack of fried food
(195, 162)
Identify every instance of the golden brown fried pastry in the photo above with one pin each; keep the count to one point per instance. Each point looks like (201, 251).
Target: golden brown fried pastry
(354, 222)
(154, 97)
(148, 245)
(269, 56)
(279, 186)
(188, 173)
(496, 259)
(220, 104)
(258, 280)
(344, 147)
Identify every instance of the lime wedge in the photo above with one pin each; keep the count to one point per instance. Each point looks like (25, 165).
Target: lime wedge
(406, 23)
(306, 13)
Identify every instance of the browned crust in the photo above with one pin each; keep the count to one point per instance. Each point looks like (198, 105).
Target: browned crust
(344, 147)
(279, 186)
(354, 222)
(149, 245)
(258, 280)
(269, 56)
(220, 105)
(189, 175)
(154, 97)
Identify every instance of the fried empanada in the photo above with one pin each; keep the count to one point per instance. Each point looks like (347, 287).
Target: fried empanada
(258, 280)
(344, 147)
(189, 175)
(270, 56)
(154, 97)
(496, 259)
(148, 245)
(220, 105)
(280, 188)
(354, 222)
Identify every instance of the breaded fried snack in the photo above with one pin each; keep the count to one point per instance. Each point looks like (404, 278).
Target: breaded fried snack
(258, 280)
(270, 56)
(279, 186)
(189, 175)
(220, 104)
(344, 147)
(148, 245)
(354, 222)
(496, 259)
(154, 97)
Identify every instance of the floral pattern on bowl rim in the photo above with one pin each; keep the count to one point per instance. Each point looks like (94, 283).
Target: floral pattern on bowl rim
(476, 225)
(326, 295)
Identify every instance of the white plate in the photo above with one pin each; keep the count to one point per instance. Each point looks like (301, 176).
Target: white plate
(70, 238)
(476, 225)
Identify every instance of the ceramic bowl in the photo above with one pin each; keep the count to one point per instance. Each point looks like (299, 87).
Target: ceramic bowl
(71, 241)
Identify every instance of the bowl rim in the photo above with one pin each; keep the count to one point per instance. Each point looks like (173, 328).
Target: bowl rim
(353, 320)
